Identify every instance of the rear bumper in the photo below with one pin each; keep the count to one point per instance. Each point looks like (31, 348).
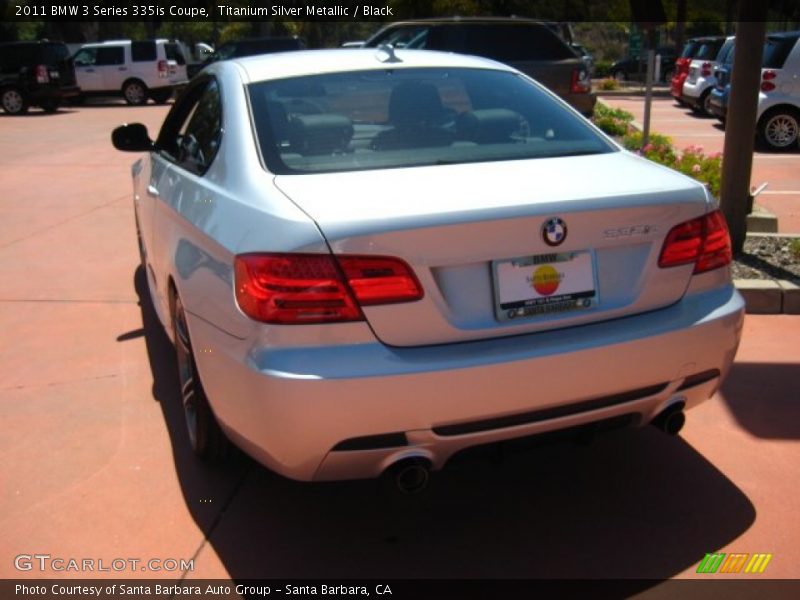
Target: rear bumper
(693, 90)
(49, 93)
(341, 412)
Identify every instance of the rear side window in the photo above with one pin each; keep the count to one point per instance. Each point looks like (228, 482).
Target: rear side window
(15, 56)
(173, 52)
(143, 51)
(776, 50)
(192, 131)
(110, 55)
(725, 54)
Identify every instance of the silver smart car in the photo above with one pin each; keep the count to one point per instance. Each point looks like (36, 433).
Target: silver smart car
(369, 260)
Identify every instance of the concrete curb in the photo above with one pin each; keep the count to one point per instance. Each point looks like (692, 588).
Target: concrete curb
(768, 297)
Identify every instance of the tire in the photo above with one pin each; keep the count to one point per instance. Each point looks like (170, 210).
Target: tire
(50, 106)
(161, 96)
(13, 101)
(207, 440)
(134, 92)
(779, 129)
(620, 75)
(668, 75)
(705, 103)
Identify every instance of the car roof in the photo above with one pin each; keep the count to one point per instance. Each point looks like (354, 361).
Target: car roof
(311, 62)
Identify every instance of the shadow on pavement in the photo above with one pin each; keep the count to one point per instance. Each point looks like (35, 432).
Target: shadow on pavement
(636, 504)
(763, 398)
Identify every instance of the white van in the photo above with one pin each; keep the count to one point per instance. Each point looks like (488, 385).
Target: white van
(136, 70)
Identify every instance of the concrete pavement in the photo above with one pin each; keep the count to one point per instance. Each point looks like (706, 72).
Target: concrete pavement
(95, 459)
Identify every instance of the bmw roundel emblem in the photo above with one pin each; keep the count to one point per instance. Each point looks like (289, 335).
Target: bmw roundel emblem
(554, 231)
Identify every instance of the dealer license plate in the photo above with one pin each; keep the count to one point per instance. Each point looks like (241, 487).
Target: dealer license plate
(544, 284)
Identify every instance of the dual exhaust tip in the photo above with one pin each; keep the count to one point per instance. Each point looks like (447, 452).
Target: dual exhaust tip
(412, 475)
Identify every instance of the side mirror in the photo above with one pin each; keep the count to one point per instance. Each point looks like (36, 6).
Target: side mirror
(132, 138)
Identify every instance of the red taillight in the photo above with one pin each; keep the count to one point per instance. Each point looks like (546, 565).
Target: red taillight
(705, 70)
(581, 84)
(766, 81)
(162, 68)
(318, 288)
(703, 241)
(41, 74)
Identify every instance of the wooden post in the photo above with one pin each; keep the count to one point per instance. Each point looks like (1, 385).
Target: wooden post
(737, 157)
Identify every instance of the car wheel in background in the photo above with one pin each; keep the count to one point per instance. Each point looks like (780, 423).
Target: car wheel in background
(205, 436)
(620, 75)
(13, 101)
(668, 75)
(779, 128)
(705, 102)
(134, 92)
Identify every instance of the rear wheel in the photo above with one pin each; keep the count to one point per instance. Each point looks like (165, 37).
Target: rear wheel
(134, 92)
(205, 436)
(13, 101)
(706, 102)
(779, 129)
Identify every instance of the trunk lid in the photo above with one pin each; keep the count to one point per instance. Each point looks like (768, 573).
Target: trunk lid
(460, 226)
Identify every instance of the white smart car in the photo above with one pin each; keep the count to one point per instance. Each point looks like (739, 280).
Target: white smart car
(371, 259)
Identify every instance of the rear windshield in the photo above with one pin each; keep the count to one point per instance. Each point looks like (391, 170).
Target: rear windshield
(411, 117)
(689, 49)
(776, 50)
(708, 50)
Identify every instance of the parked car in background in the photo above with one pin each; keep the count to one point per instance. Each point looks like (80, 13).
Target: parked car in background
(532, 47)
(778, 113)
(693, 48)
(251, 47)
(135, 70)
(635, 69)
(369, 260)
(701, 78)
(35, 74)
(718, 98)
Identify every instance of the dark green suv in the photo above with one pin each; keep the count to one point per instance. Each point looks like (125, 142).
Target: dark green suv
(35, 74)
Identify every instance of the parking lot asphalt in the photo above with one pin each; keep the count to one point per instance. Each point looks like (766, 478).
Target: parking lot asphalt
(686, 128)
(96, 465)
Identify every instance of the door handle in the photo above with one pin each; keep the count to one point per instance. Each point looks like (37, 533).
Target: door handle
(152, 191)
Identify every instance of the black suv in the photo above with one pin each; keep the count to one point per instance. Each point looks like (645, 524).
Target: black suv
(35, 74)
(529, 46)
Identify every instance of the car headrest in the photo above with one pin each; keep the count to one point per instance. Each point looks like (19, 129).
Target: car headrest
(319, 134)
(490, 125)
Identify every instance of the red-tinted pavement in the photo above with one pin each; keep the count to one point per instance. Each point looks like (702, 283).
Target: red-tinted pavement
(686, 128)
(95, 460)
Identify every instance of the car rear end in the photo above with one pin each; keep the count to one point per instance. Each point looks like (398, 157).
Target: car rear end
(700, 78)
(682, 67)
(459, 304)
(171, 66)
(42, 70)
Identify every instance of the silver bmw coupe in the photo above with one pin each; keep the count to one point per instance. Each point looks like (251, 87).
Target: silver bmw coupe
(369, 260)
